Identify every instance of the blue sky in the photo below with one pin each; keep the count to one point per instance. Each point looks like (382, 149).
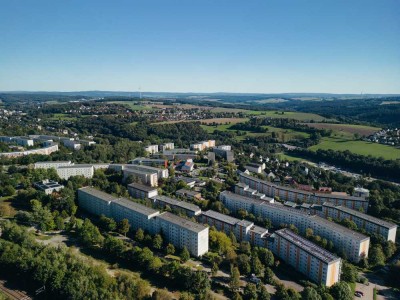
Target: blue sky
(266, 46)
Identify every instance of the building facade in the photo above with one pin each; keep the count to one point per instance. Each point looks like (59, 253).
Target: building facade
(141, 191)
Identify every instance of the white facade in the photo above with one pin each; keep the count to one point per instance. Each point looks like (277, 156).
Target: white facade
(203, 145)
(353, 244)
(140, 191)
(161, 173)
(313, 261)
(51, 164)
(151, 149)
(148, 178)
(369, 223)
(65, 172)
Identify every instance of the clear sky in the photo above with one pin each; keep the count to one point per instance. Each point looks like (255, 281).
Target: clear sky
(271, 46)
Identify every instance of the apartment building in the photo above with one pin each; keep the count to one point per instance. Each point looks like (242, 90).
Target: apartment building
(244, 190)
(85, 170)
(166, 146)
(313, 261)
(161, 173)
(46, 150)
(189, 209)
(151, 149)
(141, 191)
(51, 164)
(255, 168)
(369, 223)
(176, 230)
(353, 244)
(163, 163)
(242, 229)
(48, 186)
(71, 144)
(193, 195)
(183, 233)
(295, 195)
(203, 145)
(19, 140)
(145, 177)
(225, 152)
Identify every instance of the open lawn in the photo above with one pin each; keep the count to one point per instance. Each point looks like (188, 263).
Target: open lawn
(346, 128)
(300, 116)
(221, 121)
(358, 147)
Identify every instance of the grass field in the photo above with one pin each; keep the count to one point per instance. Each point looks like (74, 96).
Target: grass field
(132, 105)
(346, 128)
(358, 147)
(221, 121)
(300, 116)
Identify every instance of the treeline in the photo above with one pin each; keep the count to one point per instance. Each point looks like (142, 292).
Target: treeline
(378, 167)
(65, 275)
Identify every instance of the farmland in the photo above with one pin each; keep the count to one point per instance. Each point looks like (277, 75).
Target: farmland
(132, 105)
(362, 130)
(357, 147)
(226, 122)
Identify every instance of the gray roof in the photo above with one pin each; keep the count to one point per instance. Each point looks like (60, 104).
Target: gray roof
(242, 198)
(134, 171)
(220, 217)
(188, 192)
(307, 246)
(259, 230)
(136, 206)
(141, 187)
(178, 203)
(76, 166)
(98, 194)
(244, 223)
(181, 222)
(361, 215)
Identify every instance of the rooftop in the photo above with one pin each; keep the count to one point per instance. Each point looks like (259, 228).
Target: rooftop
(242, 198)
(130, 170)
(175, 202)
(259, 230)
(306, 245)
(183, 223)
(96, 193)
(141, 187)
(361, 215)
(220, 217)
(76, 166)
(244, 223)
(136, 206)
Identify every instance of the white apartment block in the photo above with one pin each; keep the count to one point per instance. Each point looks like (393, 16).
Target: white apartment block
(71, 144)
(242, 229)
(141, 191)
(182, 232)
(51, 164)
(150, 162)
(313, 261)
(369, 223)
(203, 145)
(353, 244)
(65, 172)
(189, 209)
(245, 190)
(19, 140)
(144, 177)
(255, 168)
(47, 150)
(151, 149)
(294, 195)
(161, 173)
(48, 186)
(167, 146)
(178, 231)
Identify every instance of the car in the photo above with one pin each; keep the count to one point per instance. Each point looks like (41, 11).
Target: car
(361, 293)
(357, 295)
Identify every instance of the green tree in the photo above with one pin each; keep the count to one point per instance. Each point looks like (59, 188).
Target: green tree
(170, 249)
(256, 266)
(269, 276)
(157, 242)
(349, 272)
(250, 292)
(376, 256)
(234, 282)
(341, 291)
(161, 295)
(123, 226)
(214, 269)
(107, 224)
(59, 222)
(185, 255)
(139, 236)
(310, 294)
(263, 293)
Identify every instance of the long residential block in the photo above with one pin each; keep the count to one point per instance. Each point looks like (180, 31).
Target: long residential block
(176, 230)
(313, 261)
(189, 209)
(353, 244)
(295, 195)
(369, 223)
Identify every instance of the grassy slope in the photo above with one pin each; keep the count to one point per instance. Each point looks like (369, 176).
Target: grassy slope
(358, 147)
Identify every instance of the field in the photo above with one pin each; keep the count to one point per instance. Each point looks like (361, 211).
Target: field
(358, 147)
(223, 121)
(346, 128)
(300, 116)
(132, 105)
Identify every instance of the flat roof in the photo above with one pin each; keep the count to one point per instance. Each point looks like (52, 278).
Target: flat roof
(141, 187)
(242, 198)
(98, 194)
(259, 230)
(76, 166)
(142, 167)
(361, 215)
(186, 191)
(129, 170)
(220, 217)
(148, 211)
(307, 246)
(172, 201)
(244, 223)
(181, 222)
(54, 162)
